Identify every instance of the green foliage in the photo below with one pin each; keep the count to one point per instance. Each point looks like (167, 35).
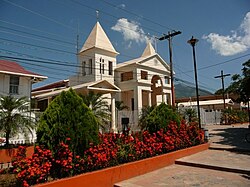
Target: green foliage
(191, 115)
(67, 117)
(240, 85)
(160, 117)
(99, 105)
(219, 92)
(119, 105)
(234, 116)
(15, 117)
(143, 123)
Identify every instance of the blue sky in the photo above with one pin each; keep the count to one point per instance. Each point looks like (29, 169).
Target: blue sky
(45, 32)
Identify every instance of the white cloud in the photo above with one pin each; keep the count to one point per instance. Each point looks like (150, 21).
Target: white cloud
(123, 6)
(131, 31)
(232, 44)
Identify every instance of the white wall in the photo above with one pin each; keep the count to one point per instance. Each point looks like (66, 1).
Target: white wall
(24, 86)
(94, 54)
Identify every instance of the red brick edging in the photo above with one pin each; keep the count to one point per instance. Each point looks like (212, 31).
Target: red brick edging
(6, 155)
(109, 176)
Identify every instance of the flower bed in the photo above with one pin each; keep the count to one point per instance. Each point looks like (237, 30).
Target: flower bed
(112, 150)
(7, 154)
(109, 176)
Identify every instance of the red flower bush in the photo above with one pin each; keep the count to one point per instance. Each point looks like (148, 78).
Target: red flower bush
(62, 161)
(32, 170)
(113, 149)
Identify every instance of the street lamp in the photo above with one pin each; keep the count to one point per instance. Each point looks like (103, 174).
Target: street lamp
(192, 42)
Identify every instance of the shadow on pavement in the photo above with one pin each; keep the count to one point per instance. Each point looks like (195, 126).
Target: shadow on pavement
(232, 136)
(246, 176)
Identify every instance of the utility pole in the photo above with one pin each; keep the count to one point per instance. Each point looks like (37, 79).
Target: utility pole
(222, 83)
(169, 37)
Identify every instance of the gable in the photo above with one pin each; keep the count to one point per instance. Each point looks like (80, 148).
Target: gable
(103, 85)
(155, 62)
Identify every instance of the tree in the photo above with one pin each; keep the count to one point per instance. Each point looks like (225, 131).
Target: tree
(219, 92)
(67, 118)
(160, 117)
(101, 110)
(241, 85)
(143, 116)
(119, 105)
(191, 114)
(15, 117)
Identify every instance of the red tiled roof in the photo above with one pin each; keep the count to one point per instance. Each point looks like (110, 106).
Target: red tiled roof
(9, 67)
(58, 84)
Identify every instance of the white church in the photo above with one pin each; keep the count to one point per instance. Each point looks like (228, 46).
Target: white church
(140, 82)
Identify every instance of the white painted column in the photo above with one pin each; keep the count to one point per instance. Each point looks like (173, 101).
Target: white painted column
(163, 97)
(114, 128)
(149, 99)
(138, 98)
(138, 103)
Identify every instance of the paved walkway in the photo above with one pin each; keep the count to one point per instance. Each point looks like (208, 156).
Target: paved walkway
(227, 163)
(229, 136)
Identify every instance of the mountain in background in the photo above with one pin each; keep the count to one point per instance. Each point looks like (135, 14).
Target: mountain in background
(182, 90)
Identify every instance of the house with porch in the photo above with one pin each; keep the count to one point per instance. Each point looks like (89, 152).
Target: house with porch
(140, 82)
(17, 82)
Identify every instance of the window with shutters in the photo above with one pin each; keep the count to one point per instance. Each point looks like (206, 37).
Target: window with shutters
(14, 85)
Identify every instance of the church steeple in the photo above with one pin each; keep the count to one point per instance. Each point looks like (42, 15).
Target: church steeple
(98, 39)
(96, 59)
(149, 50)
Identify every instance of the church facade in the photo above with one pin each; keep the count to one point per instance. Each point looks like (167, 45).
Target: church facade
(140, 82)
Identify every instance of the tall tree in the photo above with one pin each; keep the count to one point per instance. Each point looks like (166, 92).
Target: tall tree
(67, 117)
(15, 117)
(100, 107)
(241, 83)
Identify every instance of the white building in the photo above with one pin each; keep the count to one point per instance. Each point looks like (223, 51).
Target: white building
(17, 81)
(140, 82)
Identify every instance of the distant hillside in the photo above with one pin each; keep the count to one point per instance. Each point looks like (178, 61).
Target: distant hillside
(182, 90)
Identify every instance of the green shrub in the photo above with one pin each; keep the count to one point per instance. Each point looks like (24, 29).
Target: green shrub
(234, 116)
(67, 117)
(160, 117)
(143, 123)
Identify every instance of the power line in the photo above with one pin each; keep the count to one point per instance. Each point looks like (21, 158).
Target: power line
(32, 38)
(38, 46)
(111, 15)
(27, 55)
(33, 29)
(87, 44)
(137, 15)
(38, 35)
(224, 62)
(67, 65)
(41, 15)
(53, 49)
(21, 60)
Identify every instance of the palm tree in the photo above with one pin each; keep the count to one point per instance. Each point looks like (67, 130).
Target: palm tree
(119, 105)
(191, 114)
(98, 104)
(14, 117)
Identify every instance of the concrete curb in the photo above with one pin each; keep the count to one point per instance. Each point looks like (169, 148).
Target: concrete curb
(219, 168)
